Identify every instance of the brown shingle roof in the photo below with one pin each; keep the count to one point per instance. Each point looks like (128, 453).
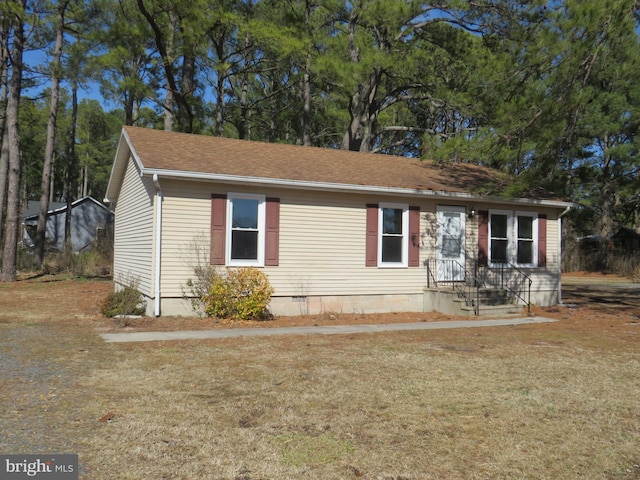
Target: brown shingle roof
(161, 150)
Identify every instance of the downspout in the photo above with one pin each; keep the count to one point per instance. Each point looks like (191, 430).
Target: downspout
(566, 210)
(158, 245)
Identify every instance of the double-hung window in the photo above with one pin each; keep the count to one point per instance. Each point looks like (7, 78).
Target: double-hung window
(525, 233)
(513, 238)
(499, 233)
(245, 229)
(394, 233)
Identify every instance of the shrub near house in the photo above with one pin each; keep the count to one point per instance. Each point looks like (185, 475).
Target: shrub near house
(242, 293)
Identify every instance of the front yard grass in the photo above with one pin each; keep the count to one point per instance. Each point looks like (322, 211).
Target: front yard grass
(537, 401)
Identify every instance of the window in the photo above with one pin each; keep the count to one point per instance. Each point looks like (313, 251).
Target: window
(237, 238)
(499, 231)
(246, 225)
(524, 229)
(513, 238)
(393, 228)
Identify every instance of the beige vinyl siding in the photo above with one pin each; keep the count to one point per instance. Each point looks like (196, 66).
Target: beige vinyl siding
(186, 223)
(322, 242)
(546, 279)
(133, 242)
(322, 250)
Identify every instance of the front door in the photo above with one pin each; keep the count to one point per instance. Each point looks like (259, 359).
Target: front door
(450, 246)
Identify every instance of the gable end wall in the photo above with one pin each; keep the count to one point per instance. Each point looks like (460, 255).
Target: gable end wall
(134, 232)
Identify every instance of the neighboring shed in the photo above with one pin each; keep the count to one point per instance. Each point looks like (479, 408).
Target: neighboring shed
(90, 221)
(335, 231)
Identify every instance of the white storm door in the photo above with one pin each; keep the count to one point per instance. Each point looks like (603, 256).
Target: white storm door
(450, 245)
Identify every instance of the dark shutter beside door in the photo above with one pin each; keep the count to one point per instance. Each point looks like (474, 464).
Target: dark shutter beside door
(483, 238)
(414, 236)
(542, 240)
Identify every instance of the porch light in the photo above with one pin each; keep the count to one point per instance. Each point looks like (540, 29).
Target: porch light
(472, 212)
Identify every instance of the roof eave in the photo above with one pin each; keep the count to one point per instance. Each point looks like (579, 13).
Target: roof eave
(349, 188)
(124, 151)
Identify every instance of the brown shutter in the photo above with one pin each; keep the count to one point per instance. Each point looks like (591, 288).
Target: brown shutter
(542, 240)
(414, 236)
(218, 228)
(483, 238)
(272, 234)
(372, 235)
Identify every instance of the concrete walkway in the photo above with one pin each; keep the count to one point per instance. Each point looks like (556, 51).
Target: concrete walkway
(324, 330)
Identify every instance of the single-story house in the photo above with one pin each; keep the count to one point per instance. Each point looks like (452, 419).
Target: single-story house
(335, 231)
(90, 221)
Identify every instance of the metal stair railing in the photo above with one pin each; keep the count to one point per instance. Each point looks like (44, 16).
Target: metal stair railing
(467, 289)
(504, 276)
(508, 277)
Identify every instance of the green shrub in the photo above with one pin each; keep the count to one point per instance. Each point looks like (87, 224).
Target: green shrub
(243, 294)
(125, 302)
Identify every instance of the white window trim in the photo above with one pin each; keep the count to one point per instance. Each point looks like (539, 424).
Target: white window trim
(512, 237)
(510, 250)
(405, 235)
(259, 262)
(534, 233)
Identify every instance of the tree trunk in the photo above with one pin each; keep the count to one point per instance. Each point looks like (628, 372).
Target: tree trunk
(51, 137)
(219, 109)
(4, 172)
(12, 224)
(85, 182)
(363, 115)
(273, 107)
(306, 85)
(4, 151)
(188, 88)
(71, 168)
(169, 99)
(607, 203)
(306, 105)
(185, 113)
(168, 110)
(242, 124)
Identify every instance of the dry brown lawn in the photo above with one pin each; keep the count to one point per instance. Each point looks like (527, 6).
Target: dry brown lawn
(549, 401)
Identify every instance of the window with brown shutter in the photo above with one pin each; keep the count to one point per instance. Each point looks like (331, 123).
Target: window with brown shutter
(245, 230)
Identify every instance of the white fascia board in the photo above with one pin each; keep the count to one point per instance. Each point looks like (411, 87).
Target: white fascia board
(346, 188)
(124, 150)
(112, 176)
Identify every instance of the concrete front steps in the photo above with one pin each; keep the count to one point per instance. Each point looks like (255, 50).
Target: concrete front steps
(493, 303)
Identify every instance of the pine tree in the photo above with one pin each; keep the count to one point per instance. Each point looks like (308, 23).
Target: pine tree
(17, 13)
